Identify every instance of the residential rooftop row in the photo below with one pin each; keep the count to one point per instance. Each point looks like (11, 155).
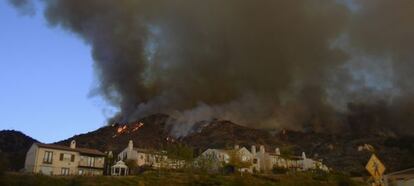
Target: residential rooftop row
(71, 160)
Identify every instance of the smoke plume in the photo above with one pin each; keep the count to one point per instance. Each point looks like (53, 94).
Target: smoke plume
(25, 7)
(303, 64)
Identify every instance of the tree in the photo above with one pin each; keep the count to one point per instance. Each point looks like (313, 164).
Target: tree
(207, 163)
(180, 152)
(236, 162)
(132, 166)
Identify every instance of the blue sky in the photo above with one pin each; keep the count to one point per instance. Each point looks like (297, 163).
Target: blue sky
(46, 75)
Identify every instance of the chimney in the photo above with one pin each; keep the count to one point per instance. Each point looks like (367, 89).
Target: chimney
(262, 149)
(236, 147)
(73, 144)
(253, 150)
(277, 151)
(130, 145)
(303, 155)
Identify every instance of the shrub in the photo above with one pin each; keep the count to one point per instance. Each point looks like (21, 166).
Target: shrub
(143, 169)
(320, 175)
(279, 170)
(229, 169)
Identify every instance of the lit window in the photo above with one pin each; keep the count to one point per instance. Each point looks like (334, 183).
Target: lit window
(64, 171)
(91, 161)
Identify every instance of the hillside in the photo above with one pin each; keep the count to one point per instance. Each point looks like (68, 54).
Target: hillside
(13, 148)
(149, 132)
(343, 152)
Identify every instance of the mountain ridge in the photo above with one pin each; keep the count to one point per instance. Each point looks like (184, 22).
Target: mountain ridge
(342, 152)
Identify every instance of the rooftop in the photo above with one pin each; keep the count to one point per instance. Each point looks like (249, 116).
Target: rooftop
(80, 150)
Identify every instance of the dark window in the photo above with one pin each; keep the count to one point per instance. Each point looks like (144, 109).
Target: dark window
(72, 158)
(66, 157)
(255, 161)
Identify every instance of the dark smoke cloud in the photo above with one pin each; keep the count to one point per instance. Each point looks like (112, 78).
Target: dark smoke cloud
(239, 60)
(384, 29)
(316, 65)
(25, 7)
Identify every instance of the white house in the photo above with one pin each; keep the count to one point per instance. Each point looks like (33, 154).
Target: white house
(265, 161)
(224, 156)
(145, 157)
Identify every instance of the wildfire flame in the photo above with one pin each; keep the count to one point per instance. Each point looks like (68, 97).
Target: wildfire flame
(127, 129)
(138, 126)
(121, 129)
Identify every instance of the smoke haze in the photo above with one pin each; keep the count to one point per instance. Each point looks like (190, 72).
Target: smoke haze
(306, 65)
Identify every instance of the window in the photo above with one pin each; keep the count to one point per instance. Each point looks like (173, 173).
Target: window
(80, 172)
(255, 161)
(64, 171)
(48, 157)
(67, 157)
(91, 162)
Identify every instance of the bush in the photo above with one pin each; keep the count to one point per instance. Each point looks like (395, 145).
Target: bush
(143, 169)
(229, 169)
(279, 170)
(320, 175)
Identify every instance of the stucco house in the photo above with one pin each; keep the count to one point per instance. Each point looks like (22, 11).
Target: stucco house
(62, 160)
(222, 156)
(145, 157)
(263, 161)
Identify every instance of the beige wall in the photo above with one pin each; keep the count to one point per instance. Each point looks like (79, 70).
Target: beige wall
(30, 159)
(34, 162)
(99, 161)
(57, 164)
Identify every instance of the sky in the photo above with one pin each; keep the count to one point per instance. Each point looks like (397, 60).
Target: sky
(46, 75)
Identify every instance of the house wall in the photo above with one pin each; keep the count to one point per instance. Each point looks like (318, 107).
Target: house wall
(263, 161)
(90, 171)
(55, 167)
(30, 161)
(128, 154)
(35, 162)
(85, 161)
(142, 159)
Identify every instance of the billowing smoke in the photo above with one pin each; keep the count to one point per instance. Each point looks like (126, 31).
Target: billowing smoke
(303, 64)
(384, 30)
(25, 7)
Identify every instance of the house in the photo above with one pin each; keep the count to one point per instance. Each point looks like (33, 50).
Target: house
(62, 160)
(150, 158)
(223, 156)
(400, 178)
(265, 161)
